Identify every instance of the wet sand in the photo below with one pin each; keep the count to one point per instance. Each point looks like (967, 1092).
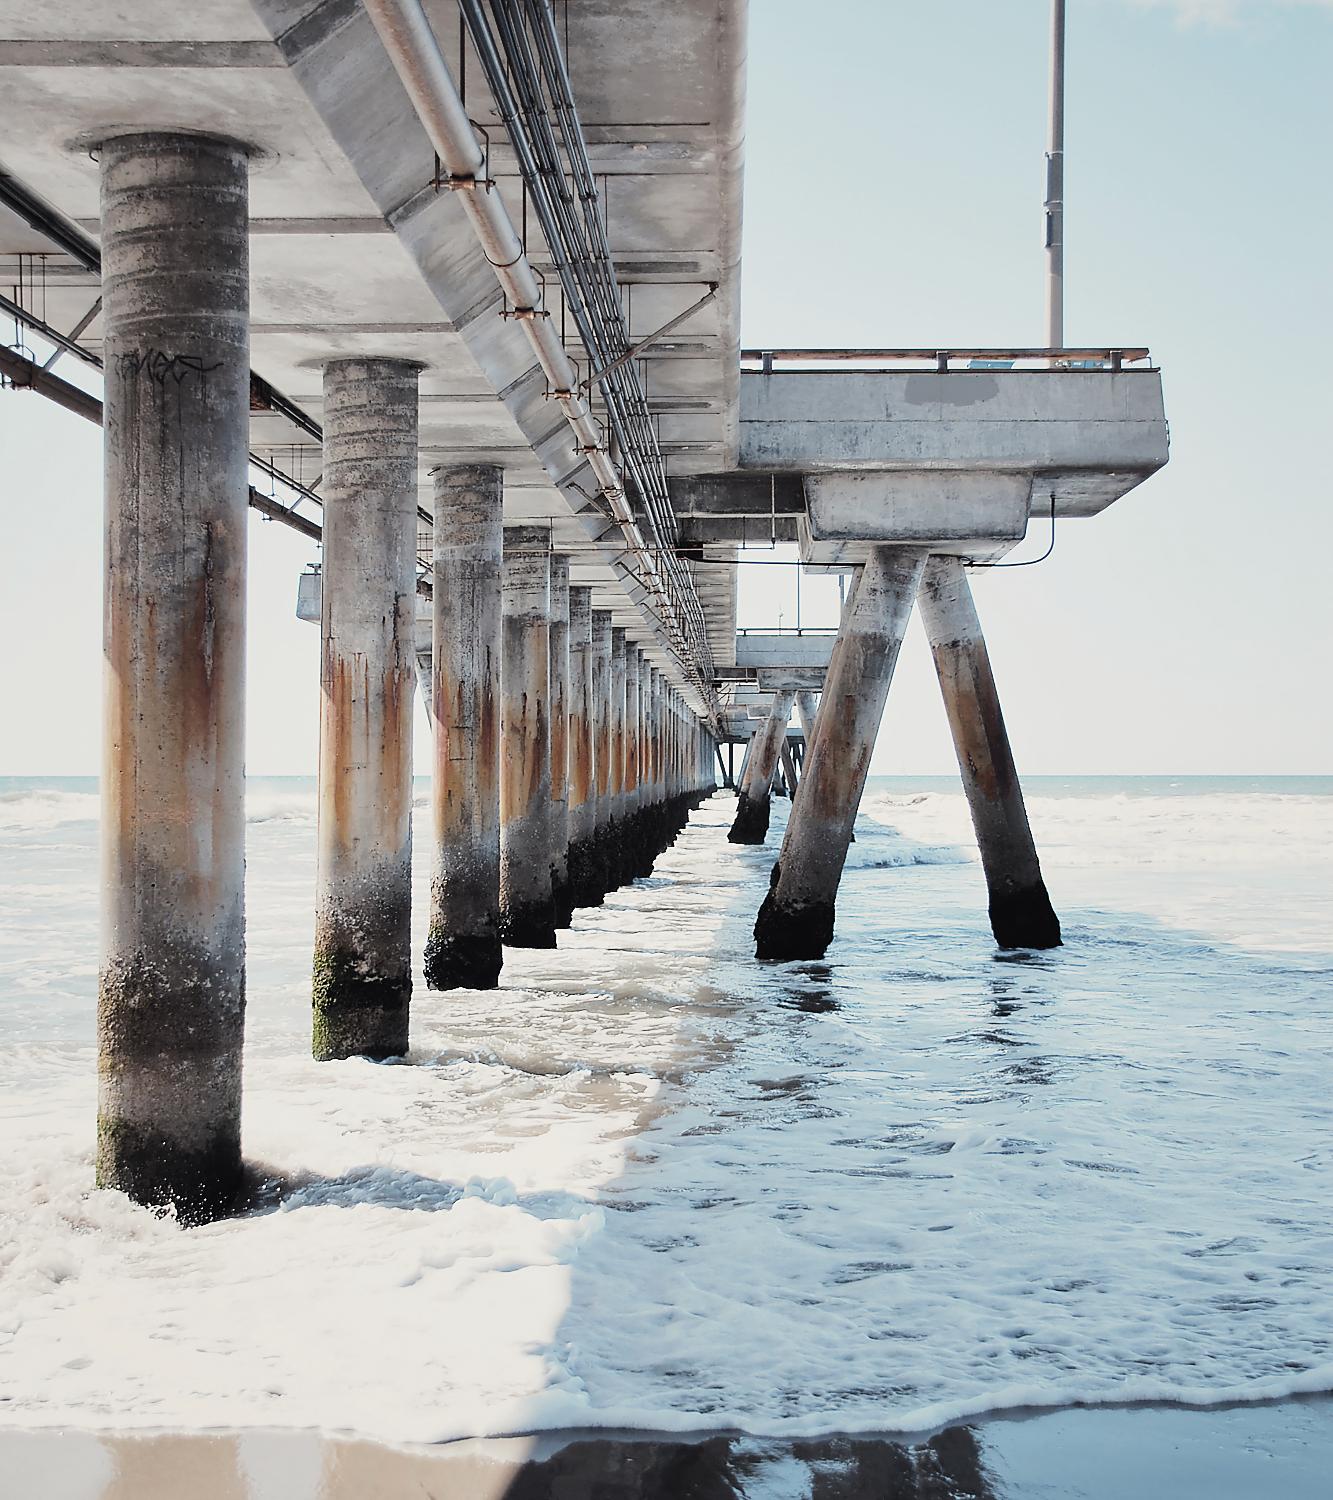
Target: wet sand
(1105, 1453)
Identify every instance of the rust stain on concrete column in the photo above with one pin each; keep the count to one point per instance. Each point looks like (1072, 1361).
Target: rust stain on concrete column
(581, 797)
(1021, 914)
(796, 919)
(559, 638)
(171, 995)
(527, 912)
(463, 947)
(753, 802)
(363, 898)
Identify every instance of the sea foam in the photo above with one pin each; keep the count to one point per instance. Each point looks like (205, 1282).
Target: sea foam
(652, 1183)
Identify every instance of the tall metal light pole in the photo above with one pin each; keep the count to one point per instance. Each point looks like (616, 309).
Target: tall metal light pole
(1055, 185)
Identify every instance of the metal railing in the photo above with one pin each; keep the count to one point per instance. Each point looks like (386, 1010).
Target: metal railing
(948, 359)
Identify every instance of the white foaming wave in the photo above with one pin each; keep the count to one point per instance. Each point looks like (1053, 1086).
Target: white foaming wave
(952, 1186)
(281, 807)
(40, 808)
(1209, 829)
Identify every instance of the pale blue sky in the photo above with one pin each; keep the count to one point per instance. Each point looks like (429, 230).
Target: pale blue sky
(894, 183)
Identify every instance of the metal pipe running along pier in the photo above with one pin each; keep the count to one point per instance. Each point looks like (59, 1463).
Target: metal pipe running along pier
(397, 246)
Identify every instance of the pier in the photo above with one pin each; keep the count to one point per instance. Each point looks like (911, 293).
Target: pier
(453, 290)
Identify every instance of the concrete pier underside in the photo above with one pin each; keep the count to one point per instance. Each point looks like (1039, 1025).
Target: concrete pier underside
(171, 995)
(573, 732)
(363, 897)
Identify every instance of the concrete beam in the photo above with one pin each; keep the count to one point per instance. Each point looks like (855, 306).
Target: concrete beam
(784, 649)
(790, 679)
(697, 532)
(918, 507)
(1089, 435)
(736, 494)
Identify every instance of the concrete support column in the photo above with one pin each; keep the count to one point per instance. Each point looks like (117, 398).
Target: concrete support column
(656, 794)
(1021, 915)
(796, 919)
(615, 856)
(631, 839)
(582, 792)
(463, 949)
(171, 995)
(363, 884)
(805, 712)
(752, 805)
(527, 912)
(788, 764)
(599, 871)
(561, 895)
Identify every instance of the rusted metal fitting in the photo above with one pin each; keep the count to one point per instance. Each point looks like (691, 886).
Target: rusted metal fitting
(462, 184)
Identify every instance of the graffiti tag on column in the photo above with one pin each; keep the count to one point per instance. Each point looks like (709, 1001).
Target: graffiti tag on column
(160, 367)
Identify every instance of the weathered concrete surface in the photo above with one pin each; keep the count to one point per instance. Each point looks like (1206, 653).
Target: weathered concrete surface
(463, 947)
(753, 802)
(920, 507)
(1021, 914)
(797, 679)
(796, 919)
(581, 795)
(779, 648)
(629, 837)
(1090, 435)
(559, 658)
(527, 911)
(363, 893)
(599, 712)
(171, 996)
(806, 708)
(615, 828)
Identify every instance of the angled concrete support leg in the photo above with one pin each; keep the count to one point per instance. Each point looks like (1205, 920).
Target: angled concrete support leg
(171, 995)
(789, 770)
(463, 949)
(1021, 915)
(796, 919)
(806, 708)
(363, 896)
(752, 806)
(560, 891)
(527, 912)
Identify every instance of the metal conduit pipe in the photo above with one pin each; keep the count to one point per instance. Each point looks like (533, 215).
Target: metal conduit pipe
(412, 47)
(571, 220)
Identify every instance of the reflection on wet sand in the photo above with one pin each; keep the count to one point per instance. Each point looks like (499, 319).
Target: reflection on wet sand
(1106, 1453)
(305, 1466)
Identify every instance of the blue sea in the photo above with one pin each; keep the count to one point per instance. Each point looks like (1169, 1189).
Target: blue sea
(651, 1183)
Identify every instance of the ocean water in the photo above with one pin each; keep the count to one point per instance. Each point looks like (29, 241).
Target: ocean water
(651, 1183)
